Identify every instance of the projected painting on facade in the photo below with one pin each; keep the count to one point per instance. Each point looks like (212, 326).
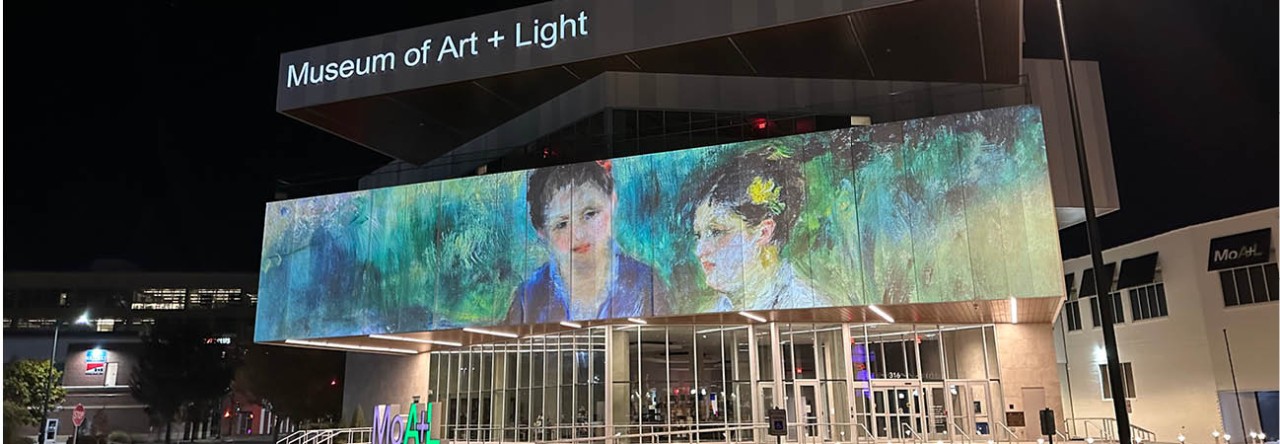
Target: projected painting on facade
(941, 209)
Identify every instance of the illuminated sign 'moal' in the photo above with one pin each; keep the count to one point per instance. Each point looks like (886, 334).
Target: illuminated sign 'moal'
(390, 427)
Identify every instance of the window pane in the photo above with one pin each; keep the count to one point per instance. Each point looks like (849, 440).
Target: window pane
(1073, 319)
(1093, 310)
(1138, 312)
(1228, 289)
(1161, 308)
(1129, 389)
(1242, 286)
(1106, 381)
(1118, 304)
(1258, 283)
(1273, 283)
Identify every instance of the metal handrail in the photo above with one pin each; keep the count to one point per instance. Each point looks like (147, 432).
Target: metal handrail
(961, 432)
(864, 428)
(355, 435)
(1013, 436)
(915, 437)
(1106, 428)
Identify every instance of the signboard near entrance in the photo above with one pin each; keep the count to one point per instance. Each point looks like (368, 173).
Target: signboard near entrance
(95, 361)
(1238, 250)
(777, 422)
(1015, 419)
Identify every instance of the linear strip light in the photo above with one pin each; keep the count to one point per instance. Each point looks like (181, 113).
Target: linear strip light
(570, 324)
(491, 332)
(880, 312)
(419, 341)
(1013, 309)
(350, 347)
(753, 316)
(720, 329)
(638, 321)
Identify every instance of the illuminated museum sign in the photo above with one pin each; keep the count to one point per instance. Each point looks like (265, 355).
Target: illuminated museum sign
(523, 39)
(442, 49)
(1241, 249)
(943, 209)
(414, 427)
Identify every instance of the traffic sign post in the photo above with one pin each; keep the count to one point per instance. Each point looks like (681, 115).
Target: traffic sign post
(77, 418)
(778, 423)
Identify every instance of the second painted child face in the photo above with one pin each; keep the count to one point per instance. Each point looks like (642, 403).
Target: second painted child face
(579, 225)
(723, 241)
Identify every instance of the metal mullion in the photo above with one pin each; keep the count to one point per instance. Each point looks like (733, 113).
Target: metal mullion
(515, 365)
(920, 401)
(724, 382)
(801, 430)
(846, 342)
(666, 334)
(608, 381)
(471, 394)
(638, 381)
(449, 392)
(559, 376)
(871, 400)
(573, 384)
(753, 372)
(695, 366)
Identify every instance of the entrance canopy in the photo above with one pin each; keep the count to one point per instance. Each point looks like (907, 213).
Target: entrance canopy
(417, 94)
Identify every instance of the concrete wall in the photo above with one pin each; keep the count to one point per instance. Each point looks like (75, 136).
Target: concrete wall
(373, 379)
(1027, 361)
(1180, 361)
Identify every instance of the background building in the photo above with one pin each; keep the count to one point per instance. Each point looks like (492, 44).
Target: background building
(98, 360)
(1196, 330)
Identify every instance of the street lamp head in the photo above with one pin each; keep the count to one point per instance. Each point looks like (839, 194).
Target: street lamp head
(1227, 437)
(83, 319)
(1182, 438)
(1215, 434)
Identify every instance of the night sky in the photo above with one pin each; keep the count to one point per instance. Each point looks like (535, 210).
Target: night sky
(146, 133)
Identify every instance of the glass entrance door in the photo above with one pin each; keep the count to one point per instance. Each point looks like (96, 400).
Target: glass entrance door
(898, 410)
(970, 408)
(813, 419)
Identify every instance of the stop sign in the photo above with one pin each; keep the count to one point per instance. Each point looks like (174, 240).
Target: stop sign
(77, 415)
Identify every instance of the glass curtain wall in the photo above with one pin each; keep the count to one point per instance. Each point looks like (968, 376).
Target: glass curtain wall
(542, 388)
(925, 382)
(714, 383)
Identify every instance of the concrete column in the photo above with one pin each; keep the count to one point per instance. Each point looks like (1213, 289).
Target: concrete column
(1027, 361)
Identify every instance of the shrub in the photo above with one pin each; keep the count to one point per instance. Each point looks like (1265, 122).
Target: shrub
(119, 437)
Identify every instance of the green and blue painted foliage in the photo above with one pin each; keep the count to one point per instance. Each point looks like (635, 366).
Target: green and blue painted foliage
(941, 209)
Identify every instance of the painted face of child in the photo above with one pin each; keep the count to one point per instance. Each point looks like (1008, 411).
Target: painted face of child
(725, 239)
(579, 224)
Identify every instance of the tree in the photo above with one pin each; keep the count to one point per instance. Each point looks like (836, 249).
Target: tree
(180, 373)
(268, 378)
(25, 385)
(15, 416)
(99, 425)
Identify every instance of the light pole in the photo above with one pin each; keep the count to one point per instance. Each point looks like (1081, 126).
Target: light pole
(1101, 283)
(48, 380)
